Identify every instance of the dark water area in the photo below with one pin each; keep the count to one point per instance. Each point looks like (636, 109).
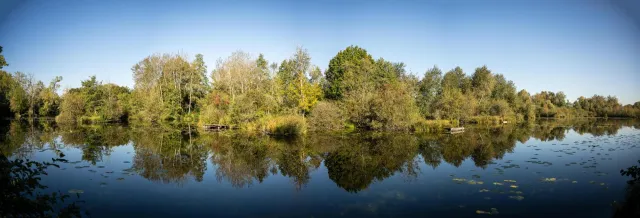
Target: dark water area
(550, 169)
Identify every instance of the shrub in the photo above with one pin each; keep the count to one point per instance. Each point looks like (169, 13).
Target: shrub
(326, 116)
(488, 120)
(430, 126)
(389, 107)
(91, 119)
(288, 125)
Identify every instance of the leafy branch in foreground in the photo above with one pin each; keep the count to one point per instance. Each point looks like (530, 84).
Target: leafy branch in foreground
(22, 194)
(633, 172)
(631, 206)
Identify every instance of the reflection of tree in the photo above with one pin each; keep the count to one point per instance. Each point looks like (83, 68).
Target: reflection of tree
(549, 132)
(21, 138)
(296, 160)
(603, 127)
(480, 144)
(168, 156)
(243, 159)
(430, 152)
(14, 139)
(240, 159)
(94, 141)
(364, 159)
(353, 161)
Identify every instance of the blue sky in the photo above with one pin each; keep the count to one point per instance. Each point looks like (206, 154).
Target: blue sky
(581, 47)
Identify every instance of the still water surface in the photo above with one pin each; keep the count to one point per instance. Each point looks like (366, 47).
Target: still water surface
(551, 169)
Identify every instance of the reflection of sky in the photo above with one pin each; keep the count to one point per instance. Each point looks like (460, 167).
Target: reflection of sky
(432, 192)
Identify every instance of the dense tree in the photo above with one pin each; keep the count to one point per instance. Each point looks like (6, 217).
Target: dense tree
(300, 89)
(352, 59)
(504, 89)
(6, 85)
(483, 83)
(524, 106)
(71, 107)
(454, 100)
(167, 87)
(95, 102)
(6, 82)
(377, 99)
(429, 88)
(18, 97)
(50, 99)
(3, 62)
(198, 83)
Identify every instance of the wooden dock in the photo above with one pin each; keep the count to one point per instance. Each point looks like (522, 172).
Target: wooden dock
(215, 127)
(454, 129)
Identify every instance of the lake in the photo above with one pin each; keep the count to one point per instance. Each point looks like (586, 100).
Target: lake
(550, 169)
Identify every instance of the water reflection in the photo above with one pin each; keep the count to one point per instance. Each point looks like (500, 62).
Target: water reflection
(353, 162)
(168, 156)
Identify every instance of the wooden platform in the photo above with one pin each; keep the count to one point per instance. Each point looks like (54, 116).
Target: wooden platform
(215, 127)
(454, 129)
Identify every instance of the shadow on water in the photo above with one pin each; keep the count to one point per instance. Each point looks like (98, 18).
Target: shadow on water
(353, 161)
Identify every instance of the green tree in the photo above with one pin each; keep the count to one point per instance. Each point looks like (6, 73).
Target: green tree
(351, 59)
(167, 87)
(299, 82)
(72, 107)
(50, 99)
(456, 101)
(18, 97)
(504, 89)
(525, 107)
(198, 83)
(483, 83)
(3, 62)
(6, 84)
(429, 88)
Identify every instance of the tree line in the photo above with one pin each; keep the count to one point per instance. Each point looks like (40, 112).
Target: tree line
(356, 91)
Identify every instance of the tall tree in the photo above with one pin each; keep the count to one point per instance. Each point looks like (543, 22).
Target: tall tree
(295, 76)
(353, 59)
(483, 83)
(198, 82)
(6, 83)
(428, 89)
(50, 98)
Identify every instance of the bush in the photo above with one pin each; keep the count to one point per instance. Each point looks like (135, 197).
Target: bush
(288, 125)
(490, 120)
(91, 119)
(326, 116)
(389, 107)
(430, 126)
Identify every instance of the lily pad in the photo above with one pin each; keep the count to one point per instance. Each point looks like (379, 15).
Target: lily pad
(519, 198)
(76, 191)
(549, 179)
(483, 212)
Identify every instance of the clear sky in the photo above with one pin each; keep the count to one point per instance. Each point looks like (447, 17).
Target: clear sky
(581, 47)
